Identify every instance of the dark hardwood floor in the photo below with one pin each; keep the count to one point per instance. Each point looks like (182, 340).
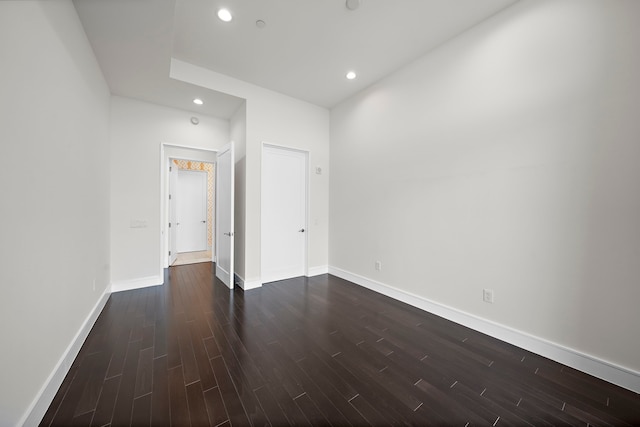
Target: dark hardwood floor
(311, 351)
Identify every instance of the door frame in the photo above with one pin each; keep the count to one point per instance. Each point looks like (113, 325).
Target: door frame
(172, 233)
(176, 151)
(307, 206)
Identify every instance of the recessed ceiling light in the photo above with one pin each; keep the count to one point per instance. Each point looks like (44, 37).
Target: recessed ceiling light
(351, 75)
(225, 15)
(198, 101)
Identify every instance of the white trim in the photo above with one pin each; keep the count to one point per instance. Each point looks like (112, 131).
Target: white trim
(247, 285)
(190, 147)
(318, 270)
(616, 374)
(142, 282)
(43, 399)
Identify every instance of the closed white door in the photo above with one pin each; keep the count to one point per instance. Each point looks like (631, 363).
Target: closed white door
(284, 213)
(191, 211)
(225, 170)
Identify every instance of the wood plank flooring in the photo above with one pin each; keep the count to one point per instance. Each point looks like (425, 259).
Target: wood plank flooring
(311, 351)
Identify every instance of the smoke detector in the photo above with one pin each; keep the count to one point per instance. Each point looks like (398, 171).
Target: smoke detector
(353, 4)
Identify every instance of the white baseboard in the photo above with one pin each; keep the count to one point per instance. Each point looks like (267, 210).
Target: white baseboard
(142, 282)
(316, 271)
(247, 285)
(599, 368)
(45, 396)
(253, 284)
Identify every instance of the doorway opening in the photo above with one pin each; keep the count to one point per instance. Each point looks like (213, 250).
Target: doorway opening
(169, 152)
(223, 205)
(193, 195)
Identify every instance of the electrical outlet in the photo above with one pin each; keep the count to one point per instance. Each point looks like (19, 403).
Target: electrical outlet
(487, 295)
(378, 265)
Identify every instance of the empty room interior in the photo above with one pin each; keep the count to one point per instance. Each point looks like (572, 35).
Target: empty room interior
(414, 212)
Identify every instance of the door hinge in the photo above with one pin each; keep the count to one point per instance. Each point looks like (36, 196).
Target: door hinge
(169, 196)
(169, 253)
(170, 168)
(169, 225)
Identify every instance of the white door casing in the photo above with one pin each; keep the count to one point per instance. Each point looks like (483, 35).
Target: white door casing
(191, 208)
(167, 153)
(173, 186)
(284, 213)
(225, 165)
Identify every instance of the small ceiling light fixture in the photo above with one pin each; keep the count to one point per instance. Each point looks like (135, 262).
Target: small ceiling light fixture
(194, 120)
(260, 23)
(351, 75)
(225, 15)
(198, 101)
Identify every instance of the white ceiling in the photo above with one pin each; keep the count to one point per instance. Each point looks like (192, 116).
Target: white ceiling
(304, 51)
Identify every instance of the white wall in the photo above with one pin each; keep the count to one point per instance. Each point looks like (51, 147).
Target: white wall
(505, 159)
(280, 120)
(284, 121)
(54, 221)
(137, 131)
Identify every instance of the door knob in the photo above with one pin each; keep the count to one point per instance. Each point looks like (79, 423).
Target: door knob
(301, 230)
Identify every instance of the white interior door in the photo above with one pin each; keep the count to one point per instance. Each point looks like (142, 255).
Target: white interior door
(191, 211)
(173, 186)
(224, 214)
(284, 213)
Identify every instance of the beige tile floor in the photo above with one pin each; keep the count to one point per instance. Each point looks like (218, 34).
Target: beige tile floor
(192, 258)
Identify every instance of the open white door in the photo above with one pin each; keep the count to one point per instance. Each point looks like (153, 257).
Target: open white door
(173, 185)
(224, 214)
